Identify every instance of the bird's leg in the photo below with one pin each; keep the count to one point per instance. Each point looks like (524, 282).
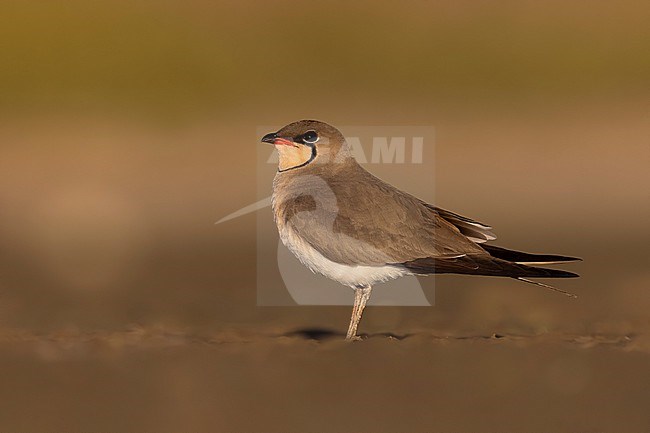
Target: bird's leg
(361, 296)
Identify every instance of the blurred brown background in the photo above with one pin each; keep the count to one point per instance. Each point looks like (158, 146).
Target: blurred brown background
(127, 129)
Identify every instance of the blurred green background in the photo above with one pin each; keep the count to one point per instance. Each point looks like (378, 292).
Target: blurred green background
(179, 60)
(128, 128)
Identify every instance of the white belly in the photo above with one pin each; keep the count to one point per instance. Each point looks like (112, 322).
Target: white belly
(347, 275)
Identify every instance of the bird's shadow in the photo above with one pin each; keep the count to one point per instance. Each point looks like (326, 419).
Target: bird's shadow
(325, 334)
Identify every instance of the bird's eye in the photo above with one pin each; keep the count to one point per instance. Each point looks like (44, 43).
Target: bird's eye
(310, 137)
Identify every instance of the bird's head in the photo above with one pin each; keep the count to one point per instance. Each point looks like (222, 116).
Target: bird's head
(307, 142)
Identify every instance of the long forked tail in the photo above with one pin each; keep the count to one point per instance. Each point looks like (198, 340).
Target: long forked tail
(546, 286)
(489, 266)
(529, 259)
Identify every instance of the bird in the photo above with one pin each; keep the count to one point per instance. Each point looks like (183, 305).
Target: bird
(342, 222)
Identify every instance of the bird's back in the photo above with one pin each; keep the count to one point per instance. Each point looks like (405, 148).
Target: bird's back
(354, 218)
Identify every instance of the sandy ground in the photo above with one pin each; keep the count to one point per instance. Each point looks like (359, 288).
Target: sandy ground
(285, 380)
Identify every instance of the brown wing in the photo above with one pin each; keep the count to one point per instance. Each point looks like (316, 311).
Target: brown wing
(355, 218)
(474, 230)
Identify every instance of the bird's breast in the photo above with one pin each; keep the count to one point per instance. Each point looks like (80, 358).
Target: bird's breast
(348, 275)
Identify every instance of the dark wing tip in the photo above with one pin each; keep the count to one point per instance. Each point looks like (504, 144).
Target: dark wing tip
(481, 265)
(521, 257)
(556, 273)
